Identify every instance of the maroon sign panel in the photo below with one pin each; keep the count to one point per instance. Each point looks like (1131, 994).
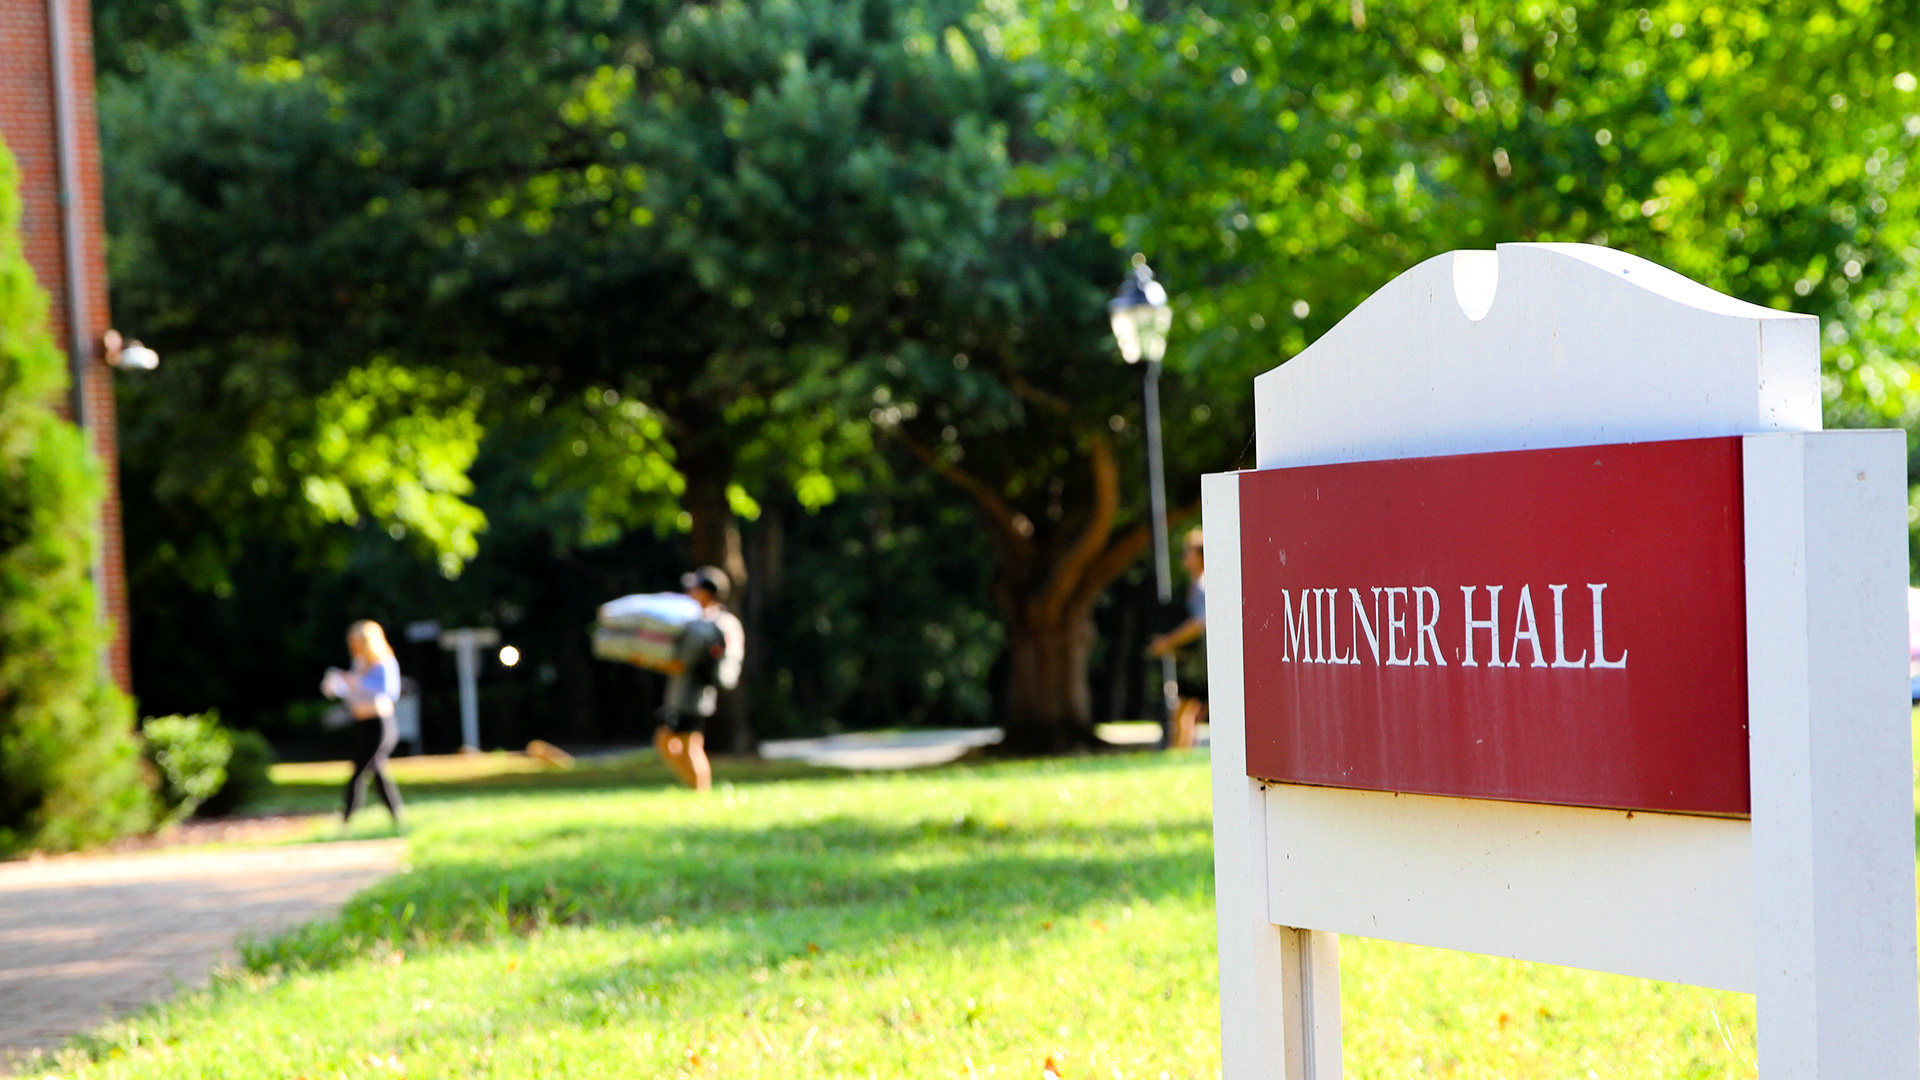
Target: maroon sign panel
(1555, 626)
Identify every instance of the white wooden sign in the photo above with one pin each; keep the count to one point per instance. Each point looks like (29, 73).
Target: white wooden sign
(1470, 720)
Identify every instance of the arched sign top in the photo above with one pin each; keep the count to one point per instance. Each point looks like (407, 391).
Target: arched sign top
(1532, 346)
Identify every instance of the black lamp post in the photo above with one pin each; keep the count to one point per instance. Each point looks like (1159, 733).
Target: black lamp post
(1141, 318)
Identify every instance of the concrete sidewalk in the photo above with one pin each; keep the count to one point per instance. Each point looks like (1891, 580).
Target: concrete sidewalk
(84, 939)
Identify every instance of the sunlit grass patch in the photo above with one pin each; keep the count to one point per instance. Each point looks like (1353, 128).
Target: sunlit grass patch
(964, 922)
(1413, 1011)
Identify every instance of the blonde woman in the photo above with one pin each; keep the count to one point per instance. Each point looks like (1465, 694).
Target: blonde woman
(369, 688)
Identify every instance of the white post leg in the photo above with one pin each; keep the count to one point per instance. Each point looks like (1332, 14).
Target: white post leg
(1310, 999)
(1830, 741)
(1284, 1028)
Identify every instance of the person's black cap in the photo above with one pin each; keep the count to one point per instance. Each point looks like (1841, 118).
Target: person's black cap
(711, 578)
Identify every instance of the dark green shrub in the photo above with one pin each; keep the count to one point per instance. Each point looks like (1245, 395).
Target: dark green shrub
(190, 753)
(247, 774)
(70, 771)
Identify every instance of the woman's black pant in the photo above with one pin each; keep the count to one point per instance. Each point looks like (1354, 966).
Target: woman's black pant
(373, 740)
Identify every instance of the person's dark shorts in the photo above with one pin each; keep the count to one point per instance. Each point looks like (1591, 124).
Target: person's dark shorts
(1194, 689)
(687, 701)
(1191, 672)
(687, 704)
(682, 721)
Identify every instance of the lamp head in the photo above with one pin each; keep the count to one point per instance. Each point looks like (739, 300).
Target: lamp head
(1140, 316)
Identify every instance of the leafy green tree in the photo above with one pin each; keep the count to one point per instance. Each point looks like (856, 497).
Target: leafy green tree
(1024, 408)
(782, 226)
(69, 768)
(1284, 159)
(701, 206)
(1281, 161)
(304, 392)
(706, 208)
(692, 259)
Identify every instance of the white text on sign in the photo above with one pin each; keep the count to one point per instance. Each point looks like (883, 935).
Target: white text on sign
(1399, 626)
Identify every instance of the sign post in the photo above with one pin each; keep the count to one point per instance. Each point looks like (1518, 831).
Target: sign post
(1552, 626)
(465, 644)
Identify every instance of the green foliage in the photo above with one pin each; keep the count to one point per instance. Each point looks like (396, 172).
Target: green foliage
(1279, 163)
(69, 769)
(907, 641)
(385, 443)
(657, 241)
(249, 775)
(876, 926)
(705, 208)
(320, 401)
(604, 467)
(648, 267)
(1283, 163)
(190, 753)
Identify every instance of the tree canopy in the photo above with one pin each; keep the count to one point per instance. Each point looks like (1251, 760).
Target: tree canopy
(1283, 160)
(596, 280)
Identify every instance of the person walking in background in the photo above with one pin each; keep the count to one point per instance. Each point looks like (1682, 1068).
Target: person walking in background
(711, 653)
(1192, 663)
(369, 689)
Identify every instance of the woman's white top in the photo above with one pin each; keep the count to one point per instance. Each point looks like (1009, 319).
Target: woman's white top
(372, 688)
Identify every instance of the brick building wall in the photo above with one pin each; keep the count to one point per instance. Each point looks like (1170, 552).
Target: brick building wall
(28, 125)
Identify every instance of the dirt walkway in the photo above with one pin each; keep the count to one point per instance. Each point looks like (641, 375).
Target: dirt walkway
(85, 939)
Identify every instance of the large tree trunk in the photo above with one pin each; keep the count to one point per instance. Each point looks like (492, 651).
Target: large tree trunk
(1049, 699)
(765, 559)
(714, 536)
(1046, 587)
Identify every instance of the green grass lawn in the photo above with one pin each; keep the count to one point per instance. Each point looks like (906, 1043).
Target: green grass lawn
(312, 787)
(965, 922)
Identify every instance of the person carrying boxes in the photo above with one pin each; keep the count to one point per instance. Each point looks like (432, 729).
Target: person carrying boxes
(697, 643)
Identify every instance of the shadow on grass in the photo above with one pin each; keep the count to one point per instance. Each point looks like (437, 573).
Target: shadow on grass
(851, 881)
(642, 769)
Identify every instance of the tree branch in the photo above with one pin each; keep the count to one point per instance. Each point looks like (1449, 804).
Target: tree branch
(1026, 391)
(1062, 583)
(1002, 517)
(1122, 553)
